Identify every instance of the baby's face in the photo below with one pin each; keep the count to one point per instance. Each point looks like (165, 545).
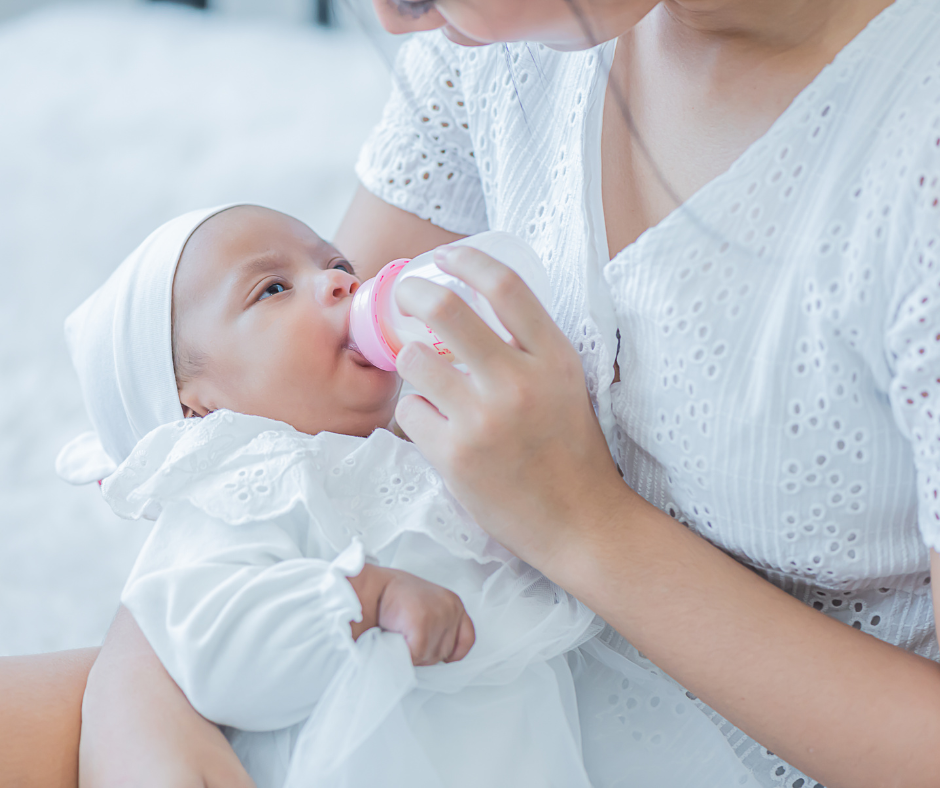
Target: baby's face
(265, 302)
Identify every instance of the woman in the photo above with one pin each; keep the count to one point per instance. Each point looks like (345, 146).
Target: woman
(779, 343)
(760, 359)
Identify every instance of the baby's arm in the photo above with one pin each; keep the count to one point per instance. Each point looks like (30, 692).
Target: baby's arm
(253, 631)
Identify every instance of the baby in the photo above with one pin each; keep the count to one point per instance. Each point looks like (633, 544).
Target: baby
(309, 582)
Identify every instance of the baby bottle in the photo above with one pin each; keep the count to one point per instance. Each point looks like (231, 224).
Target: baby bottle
(379, 329)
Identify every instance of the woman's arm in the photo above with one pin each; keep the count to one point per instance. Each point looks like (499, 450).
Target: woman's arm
(839, 704)
(374, 233)
(40, 718)
(138, 729)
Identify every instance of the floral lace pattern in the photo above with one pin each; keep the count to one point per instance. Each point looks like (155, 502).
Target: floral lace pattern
(243, 469)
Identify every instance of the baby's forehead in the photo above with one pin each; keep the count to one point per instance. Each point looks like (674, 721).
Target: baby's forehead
(246, 228)
(240, 235)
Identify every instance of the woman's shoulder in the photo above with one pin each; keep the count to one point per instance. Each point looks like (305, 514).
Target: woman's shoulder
(893, 65)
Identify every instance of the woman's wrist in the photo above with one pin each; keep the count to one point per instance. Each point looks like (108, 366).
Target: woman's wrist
(578, 529)
(625, 558)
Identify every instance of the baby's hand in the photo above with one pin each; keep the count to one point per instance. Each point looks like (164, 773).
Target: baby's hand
(432, 619)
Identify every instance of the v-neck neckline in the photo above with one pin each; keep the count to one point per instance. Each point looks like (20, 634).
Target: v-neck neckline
(593, 127)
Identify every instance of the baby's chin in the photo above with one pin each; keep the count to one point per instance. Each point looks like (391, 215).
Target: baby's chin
(361, 421)
(364, 402)
(360, 425)
(356, 424)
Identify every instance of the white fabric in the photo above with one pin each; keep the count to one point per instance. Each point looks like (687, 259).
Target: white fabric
(240, 590)
(780, 334)
(83, 460)
(120, 343)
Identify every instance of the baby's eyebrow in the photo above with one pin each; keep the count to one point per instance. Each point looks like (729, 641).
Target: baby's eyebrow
(250, 269)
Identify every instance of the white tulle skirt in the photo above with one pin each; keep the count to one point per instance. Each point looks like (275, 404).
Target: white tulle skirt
(547, 697)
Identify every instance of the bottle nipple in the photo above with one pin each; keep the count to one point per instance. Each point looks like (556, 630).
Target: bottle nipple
(365, 321)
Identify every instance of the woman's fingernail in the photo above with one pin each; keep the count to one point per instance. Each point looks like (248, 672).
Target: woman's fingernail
(405, 356)
(443, 254)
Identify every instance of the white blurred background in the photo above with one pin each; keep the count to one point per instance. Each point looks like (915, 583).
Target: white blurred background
(115, 117)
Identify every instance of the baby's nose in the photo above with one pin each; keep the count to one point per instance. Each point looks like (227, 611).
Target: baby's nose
(336, 284)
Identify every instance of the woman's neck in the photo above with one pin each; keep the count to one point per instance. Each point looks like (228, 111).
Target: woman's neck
(720, 43)
(781, 25)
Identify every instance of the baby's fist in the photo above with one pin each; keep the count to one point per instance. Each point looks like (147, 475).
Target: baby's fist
(432, 619)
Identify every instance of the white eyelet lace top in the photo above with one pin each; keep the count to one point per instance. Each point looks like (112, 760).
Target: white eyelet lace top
(779, 334)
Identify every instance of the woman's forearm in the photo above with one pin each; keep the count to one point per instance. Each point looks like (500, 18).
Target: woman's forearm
(373, 233)
(841, 705)
(41, 717)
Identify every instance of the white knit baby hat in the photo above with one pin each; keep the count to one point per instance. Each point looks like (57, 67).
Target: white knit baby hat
(121, 345)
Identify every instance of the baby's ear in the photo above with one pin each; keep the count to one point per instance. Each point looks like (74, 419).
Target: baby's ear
(189, 413)
(196, 398)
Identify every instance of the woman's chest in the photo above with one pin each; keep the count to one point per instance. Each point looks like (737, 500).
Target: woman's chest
(672, 122)
(754, 382)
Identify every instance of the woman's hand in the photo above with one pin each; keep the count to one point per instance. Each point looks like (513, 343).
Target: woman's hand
(139, 730)
(516, 439)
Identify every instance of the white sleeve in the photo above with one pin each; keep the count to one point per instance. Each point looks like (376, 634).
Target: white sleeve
(250, 629)
(420, 157)
(913, 343)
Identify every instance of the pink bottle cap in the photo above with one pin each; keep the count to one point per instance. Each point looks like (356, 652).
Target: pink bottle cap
(364, 328)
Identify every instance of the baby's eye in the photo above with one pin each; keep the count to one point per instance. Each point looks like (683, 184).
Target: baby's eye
(346, 266)
(271, 290)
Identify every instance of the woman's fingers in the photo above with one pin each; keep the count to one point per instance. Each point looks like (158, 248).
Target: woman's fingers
(465, 334)
(515, 304)
(420, 420)
(438, 380)
(516, 441)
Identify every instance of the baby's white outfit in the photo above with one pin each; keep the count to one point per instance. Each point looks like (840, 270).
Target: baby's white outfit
(241, 590)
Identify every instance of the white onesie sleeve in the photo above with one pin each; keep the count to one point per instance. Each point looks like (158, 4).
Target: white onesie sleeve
(250, 629)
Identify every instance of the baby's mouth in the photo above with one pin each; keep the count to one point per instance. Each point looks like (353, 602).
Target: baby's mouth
(349, 344)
